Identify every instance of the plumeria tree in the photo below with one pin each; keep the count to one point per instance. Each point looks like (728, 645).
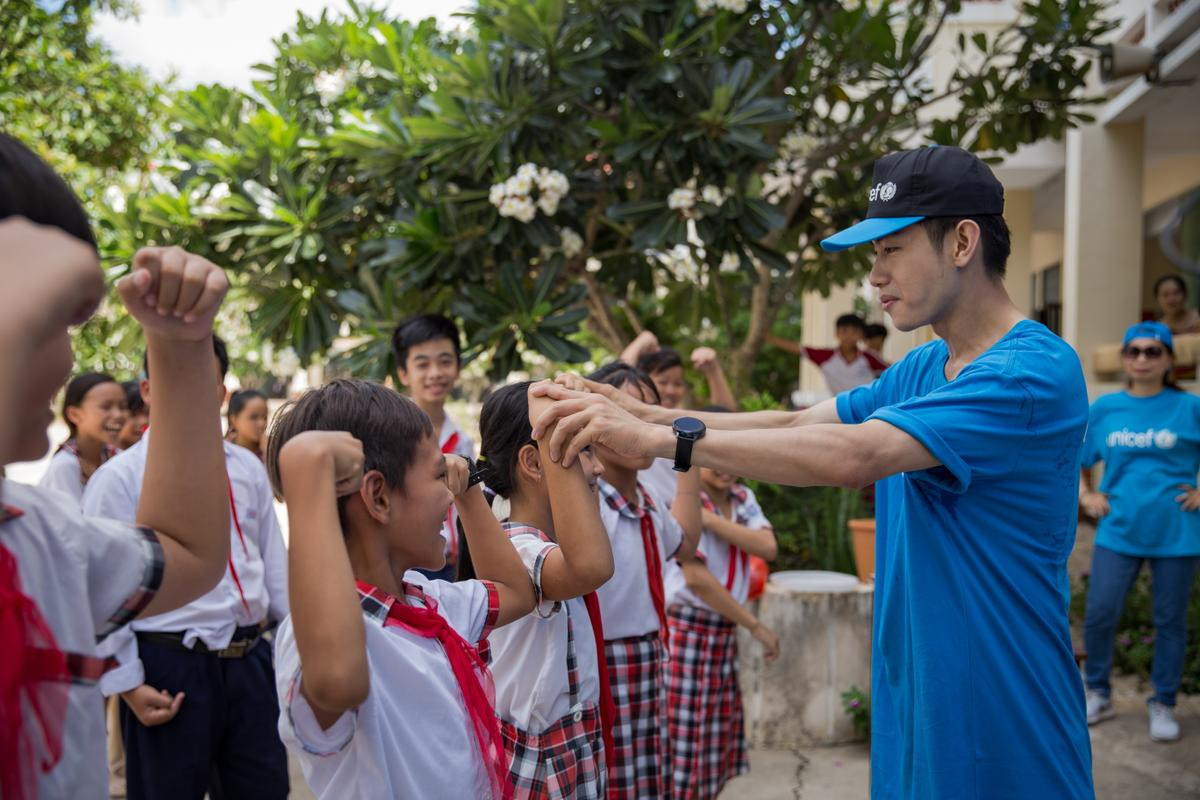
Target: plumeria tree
(564, 173)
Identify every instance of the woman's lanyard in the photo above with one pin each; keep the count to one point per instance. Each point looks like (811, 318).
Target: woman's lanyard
(237, 524)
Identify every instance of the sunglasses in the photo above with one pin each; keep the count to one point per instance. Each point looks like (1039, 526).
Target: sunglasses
(1151, 352)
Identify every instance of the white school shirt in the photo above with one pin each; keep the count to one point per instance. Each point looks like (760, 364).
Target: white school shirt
(625, 602)
(87, 576)
(529, 656)
(660, 480)
(412, 737)
(63, 473)
(261, 566)
(715, 553)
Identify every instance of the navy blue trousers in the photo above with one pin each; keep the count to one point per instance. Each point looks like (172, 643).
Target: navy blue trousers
(224, 740)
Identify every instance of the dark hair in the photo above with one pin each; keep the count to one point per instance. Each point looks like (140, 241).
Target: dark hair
(239, 399)
(1176, 279)
(77, 390)
(717, 409)
(219, 349)
(503, 430)
(30, 188)
(133, 396)
(389, 425)
(850, 321)
(874, 329)
(660, 360)
(620, 374)
(420, 329)
(993, 238)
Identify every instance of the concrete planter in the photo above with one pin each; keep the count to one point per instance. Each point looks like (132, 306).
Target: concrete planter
(824, 624)
(862, 536)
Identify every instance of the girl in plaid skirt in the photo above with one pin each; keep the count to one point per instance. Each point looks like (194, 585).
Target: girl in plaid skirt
(644, 536)
(704, 701)
(552, 693)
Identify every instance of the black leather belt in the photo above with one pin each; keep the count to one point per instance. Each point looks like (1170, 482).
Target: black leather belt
(243, 641)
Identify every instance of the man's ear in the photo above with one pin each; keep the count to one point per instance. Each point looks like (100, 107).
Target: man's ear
(376, 497)
(529, 463)
(965, 242)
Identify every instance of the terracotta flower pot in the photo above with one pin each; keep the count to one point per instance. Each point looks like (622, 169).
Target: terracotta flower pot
(862, 535)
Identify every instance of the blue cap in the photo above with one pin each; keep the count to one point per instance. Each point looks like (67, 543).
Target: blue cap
(1150, 330)
(908, 186)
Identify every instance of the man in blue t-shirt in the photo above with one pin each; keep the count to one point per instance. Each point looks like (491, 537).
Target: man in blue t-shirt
(975, 441)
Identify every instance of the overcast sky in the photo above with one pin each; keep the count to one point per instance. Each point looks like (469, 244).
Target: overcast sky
(208, 41)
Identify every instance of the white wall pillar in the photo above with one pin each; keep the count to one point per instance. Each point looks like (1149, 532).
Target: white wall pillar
(1102, 235)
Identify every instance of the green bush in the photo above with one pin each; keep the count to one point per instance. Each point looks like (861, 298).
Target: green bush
(1134, 651)
(810, 524)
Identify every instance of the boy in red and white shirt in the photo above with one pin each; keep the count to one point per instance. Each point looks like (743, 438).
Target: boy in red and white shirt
(382, 689)
(846, 366)
(67, 580)
(707, 599)
(428, 358)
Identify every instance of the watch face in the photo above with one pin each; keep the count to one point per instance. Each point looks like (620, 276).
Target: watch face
(688, 426)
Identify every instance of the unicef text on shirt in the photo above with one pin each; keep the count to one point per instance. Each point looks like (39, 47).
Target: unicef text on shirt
(1162, 439)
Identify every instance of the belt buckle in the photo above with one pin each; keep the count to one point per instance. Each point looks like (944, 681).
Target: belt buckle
(237, 649)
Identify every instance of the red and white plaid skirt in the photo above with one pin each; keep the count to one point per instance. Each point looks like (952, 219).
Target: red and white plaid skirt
(638, 767)
(563, 762)
(704, 703)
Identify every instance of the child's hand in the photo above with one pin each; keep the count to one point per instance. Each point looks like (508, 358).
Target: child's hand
(174, 294)
(644, 342)
(458, 475)
(50, 278)
(539, 403)
(705, 359)
(346, 453)
(769, 639)
(152, 706)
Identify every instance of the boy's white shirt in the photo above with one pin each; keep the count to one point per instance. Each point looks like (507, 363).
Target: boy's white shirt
(529, 656)
(660, 480)
(80, 572)
(412, 737)
(63, 473)
(114, 491)
(626, 606)
(715, 553)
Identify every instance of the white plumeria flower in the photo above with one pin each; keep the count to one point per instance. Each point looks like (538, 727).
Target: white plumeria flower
(529, 171)
(681, 199)
(330, 85)
(114, 198)
(572, 242)
(518, 186)
(163, 185)
(661, 292)
(712, 195)
(496, 194)
(548, 203)
(286, 363)
(730, 262)
(593, 265)
(525, 209)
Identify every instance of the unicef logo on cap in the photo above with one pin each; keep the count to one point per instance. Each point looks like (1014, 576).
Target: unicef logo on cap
(882, 191)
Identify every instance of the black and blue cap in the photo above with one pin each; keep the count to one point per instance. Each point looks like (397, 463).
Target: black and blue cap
(908, 186)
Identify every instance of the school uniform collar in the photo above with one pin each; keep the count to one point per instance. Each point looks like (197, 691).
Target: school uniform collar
(623, 506)
(377, 603)
(517, 528)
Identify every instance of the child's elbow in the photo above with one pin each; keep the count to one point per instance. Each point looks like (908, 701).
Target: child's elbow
(770, 550)
(596, 574)
(337, 689)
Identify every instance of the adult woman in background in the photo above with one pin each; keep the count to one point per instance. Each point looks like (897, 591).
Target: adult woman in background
(1148, 437)
(1171, 294)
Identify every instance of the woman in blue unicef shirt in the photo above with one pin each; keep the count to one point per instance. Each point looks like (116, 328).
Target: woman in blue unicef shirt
(1148, 437)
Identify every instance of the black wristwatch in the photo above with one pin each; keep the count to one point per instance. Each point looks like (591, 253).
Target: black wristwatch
(476, 470)
(688, 431)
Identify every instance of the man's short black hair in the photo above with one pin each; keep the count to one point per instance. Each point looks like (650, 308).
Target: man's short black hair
(389, 425)
(420, 329)
(620, 374)
(994, 238)
(874, 329)
(30, 188)
(219, 349)
(850, 321)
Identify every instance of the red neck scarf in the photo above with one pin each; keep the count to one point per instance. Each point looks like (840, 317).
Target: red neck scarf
(608, 708)
(33, 676)
(474, 679)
